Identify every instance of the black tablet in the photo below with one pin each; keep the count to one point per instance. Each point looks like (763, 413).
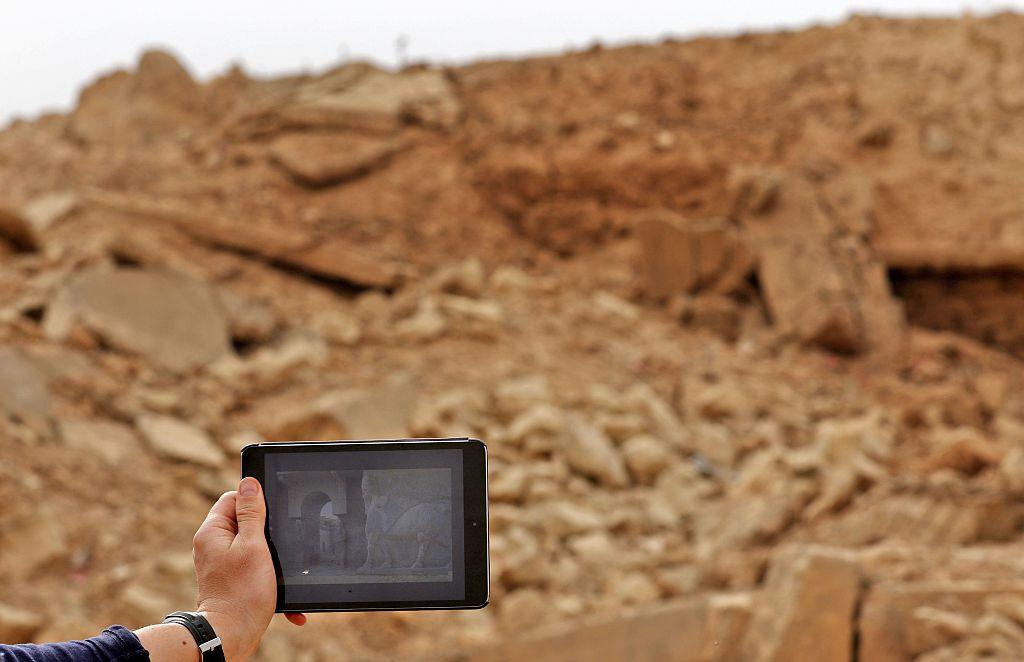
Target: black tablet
(375, 525)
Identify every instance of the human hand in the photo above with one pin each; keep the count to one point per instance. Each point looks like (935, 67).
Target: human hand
(237, 583)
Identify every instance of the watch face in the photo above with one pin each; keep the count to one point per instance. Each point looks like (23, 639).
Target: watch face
(375, 525)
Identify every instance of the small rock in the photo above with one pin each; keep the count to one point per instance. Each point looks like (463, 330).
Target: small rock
(516, 395)
(590, 452)
(427, 323)
(537, 427)
(179, 440)
(646, 457)
(18, 626)
(964, 450)
(632, 588)
(248, 321)
(596, 547)
(508, 484)
(561, 518)
(611, 308)
(337, 327)
(466, 278)
(676, 581)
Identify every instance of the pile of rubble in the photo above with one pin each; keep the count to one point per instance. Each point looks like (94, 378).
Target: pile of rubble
(678, 289)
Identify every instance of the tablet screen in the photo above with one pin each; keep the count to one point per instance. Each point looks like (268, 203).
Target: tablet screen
(367, 526)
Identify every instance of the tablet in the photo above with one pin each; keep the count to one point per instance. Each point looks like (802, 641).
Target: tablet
(375, 525)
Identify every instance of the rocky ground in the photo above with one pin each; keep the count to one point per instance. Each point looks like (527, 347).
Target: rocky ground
(739, 319)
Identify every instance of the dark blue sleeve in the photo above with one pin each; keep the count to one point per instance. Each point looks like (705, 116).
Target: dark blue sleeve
(116, 644)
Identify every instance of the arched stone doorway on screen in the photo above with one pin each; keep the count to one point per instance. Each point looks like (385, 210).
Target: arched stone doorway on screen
(317, 514)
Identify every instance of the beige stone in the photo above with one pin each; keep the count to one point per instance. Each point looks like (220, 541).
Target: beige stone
(695, 630)
(171, 319)
(18, 626)
(891, 629)
(179, 440)
(323, 160)
(110, 441)
(590, 452)
(646, 457)
(806, 611)
(680, 256)
(821, 282)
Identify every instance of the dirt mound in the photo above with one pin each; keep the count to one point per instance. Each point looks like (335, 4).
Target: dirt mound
(736, 317)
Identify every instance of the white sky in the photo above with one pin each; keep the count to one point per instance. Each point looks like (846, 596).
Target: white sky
(50, 48)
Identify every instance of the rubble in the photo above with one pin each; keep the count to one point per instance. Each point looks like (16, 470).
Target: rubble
(707, 317)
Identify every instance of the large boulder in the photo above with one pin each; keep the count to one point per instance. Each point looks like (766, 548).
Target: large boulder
(820, 278)
(173, 320)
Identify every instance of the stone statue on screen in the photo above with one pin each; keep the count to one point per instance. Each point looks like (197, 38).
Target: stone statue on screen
(408, 519)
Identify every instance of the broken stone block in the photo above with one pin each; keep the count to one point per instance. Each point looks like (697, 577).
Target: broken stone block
(806, 610)
(18, 626)
(179, 440)
(171, 319)
(679, 257)
(110, 441)
(590, 452)
(322, 160)
(821, 282)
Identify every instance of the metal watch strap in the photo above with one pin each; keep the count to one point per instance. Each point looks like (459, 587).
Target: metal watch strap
(209, 643)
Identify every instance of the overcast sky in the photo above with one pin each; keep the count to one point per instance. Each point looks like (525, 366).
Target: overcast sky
(50, 48)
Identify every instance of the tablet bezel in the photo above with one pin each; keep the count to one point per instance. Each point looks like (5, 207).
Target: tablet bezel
(475, 520)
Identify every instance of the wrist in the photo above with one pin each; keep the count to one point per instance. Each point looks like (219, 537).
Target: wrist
(233, 640)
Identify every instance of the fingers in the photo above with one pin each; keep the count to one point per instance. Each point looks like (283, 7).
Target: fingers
(219, 523)
(297, 619)
(250, 509)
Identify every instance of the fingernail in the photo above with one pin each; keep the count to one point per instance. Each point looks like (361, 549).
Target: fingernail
(249, 487)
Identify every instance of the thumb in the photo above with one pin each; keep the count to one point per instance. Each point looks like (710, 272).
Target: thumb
(250, 509)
